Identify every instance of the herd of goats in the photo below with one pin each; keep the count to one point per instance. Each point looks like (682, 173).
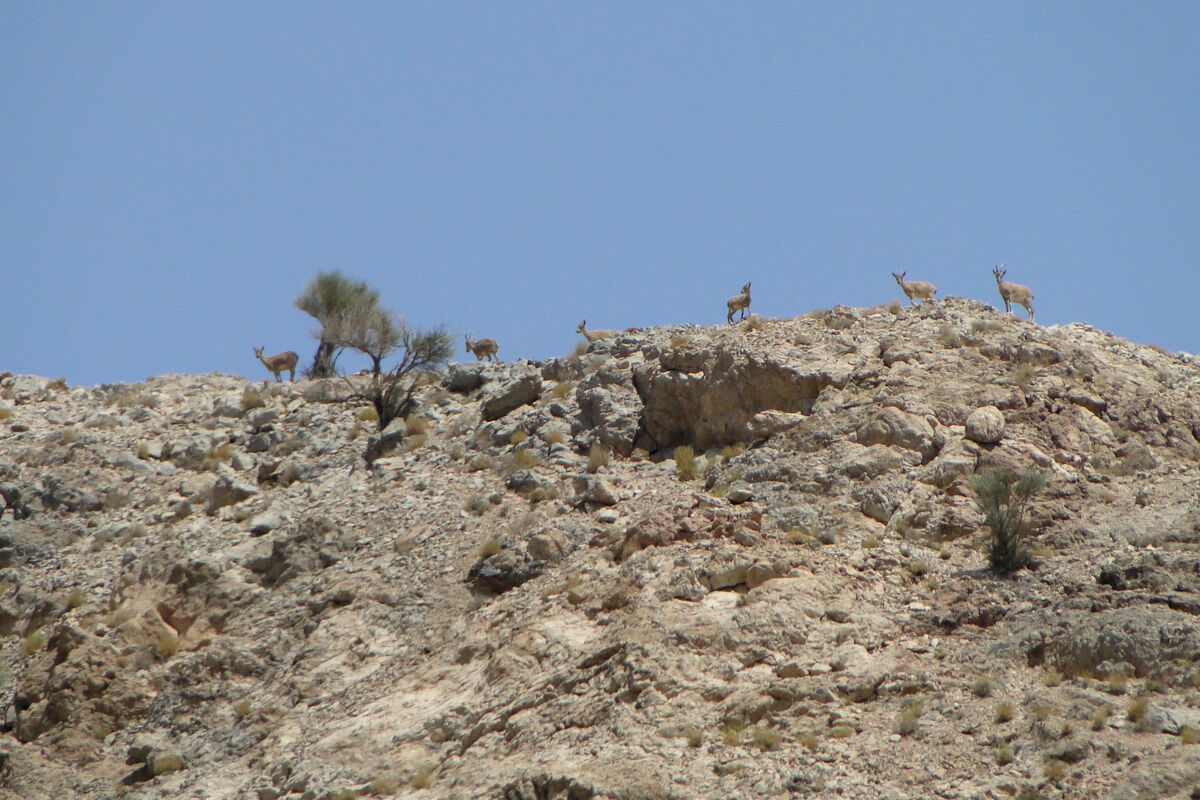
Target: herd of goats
(488, 348)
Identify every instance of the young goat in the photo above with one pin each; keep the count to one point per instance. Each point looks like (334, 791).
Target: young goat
(1013, 292)
(915, 289)
(483, 348)
(279, 362)
(593, 336)
(739, 302)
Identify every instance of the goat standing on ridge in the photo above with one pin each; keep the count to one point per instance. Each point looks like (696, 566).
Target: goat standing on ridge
(915, 289)
(593, 336)
(279, 362)
(483, 348)
(739, 302)
(1013, 292)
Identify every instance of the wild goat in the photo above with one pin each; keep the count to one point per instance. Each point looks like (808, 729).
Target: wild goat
(739, 302)
(483, 348)
(915, 289)
(593, 336)
(1013, 292)
(279, 362)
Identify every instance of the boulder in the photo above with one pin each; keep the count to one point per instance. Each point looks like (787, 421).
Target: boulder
(985, 425)
(891, 426)
(511, 395)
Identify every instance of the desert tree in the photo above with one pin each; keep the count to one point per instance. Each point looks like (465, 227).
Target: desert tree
(326, 298)
(392, 392)
(366, 327)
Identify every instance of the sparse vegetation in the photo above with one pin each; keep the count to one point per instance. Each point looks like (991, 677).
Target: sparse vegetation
(1004, 711)
(490, 546)
(686, 467)
(167, 645)
(598, 456)
(562, 389)
(1004, 497)
(764, 738)
(518, 437)
(525, 457)
(1189, 735)
(477, 505)
(986, 326)
(382, 785)
(948, 338)
(1023, 375)
(1004, 753)
(31, 643)
(1136, 708)
(693, 735)
(422, 779)
(982, 686)
(909, 719)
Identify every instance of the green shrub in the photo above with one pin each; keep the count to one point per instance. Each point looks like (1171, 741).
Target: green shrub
(1003, 497)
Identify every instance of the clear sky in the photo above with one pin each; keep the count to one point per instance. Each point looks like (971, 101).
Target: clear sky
(172, 174)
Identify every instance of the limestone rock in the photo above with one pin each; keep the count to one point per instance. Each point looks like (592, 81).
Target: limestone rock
(985, 425)
(891, 426)
(511, 395)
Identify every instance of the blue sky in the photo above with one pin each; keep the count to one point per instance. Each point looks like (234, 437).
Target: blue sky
(174, 173)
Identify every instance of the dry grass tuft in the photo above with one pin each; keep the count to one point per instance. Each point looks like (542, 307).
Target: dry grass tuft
(599, 456)
(731, 733)
(764, 738)
(31, 643)
(686, 467)
(908, 720)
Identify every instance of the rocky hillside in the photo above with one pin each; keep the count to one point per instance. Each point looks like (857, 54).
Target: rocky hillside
(530, 591)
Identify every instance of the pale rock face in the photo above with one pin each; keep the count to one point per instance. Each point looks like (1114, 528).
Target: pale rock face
(201, 577)
(985, 425)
